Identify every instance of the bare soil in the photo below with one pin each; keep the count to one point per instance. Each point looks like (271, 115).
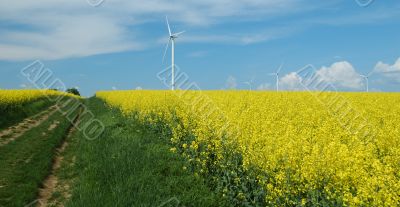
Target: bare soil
(51, 183)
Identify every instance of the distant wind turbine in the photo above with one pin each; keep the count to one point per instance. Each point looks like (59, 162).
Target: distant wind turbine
(277, 76)
(366, 77)
(172, 37)
(250, 83)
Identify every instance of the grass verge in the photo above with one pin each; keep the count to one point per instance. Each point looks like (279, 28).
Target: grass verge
(128, 165)
(26, 161)
(11, 115)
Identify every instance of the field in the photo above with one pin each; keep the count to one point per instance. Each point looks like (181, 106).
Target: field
(265, 148)
(203, 148)
(209, 103)
(48, 160)
(18, 104)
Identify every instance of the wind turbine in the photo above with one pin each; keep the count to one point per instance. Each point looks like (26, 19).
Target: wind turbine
(277, 76)
(366, 77)
(172, 37)
(250, 83)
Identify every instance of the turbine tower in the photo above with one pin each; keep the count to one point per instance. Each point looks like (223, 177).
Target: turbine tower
(172, 37)
(366, 77)
(277, 76)
(250, 83)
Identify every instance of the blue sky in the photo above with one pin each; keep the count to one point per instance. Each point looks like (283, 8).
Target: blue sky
(119, 44)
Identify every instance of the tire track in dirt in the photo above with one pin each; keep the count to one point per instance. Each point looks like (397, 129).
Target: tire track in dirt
(14, 132)
(51, 182)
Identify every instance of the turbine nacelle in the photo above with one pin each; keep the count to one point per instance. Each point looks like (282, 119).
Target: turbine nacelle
(367, 76)
(176, 35)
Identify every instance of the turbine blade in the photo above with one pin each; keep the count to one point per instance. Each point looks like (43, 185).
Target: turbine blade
(166, 49)
(280, 68)
(179, 33)
(169, 28)
(271, 73)
(370, 73)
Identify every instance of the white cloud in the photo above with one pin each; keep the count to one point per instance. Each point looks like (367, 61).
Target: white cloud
(231, 83)
(341, 74)
(74, 37)
(245, 38)
(386, 68)
(291, 81)
(264, 87)
(57, 29)
(389, 71)
(238, 39)
(138, 88)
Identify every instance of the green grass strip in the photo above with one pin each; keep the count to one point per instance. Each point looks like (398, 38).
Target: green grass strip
(10, 115)
(129, 166)
(27, 161)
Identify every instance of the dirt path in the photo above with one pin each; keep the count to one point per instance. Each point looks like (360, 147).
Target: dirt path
(13, 132)
(50, 184)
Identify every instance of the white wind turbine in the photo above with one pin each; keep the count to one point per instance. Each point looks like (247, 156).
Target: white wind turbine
(366, 77)
(277, 76)
(172, 37)
(250, 83)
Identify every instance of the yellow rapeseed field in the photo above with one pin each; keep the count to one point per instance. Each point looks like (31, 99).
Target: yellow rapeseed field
(292, 148)
(10, 97)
